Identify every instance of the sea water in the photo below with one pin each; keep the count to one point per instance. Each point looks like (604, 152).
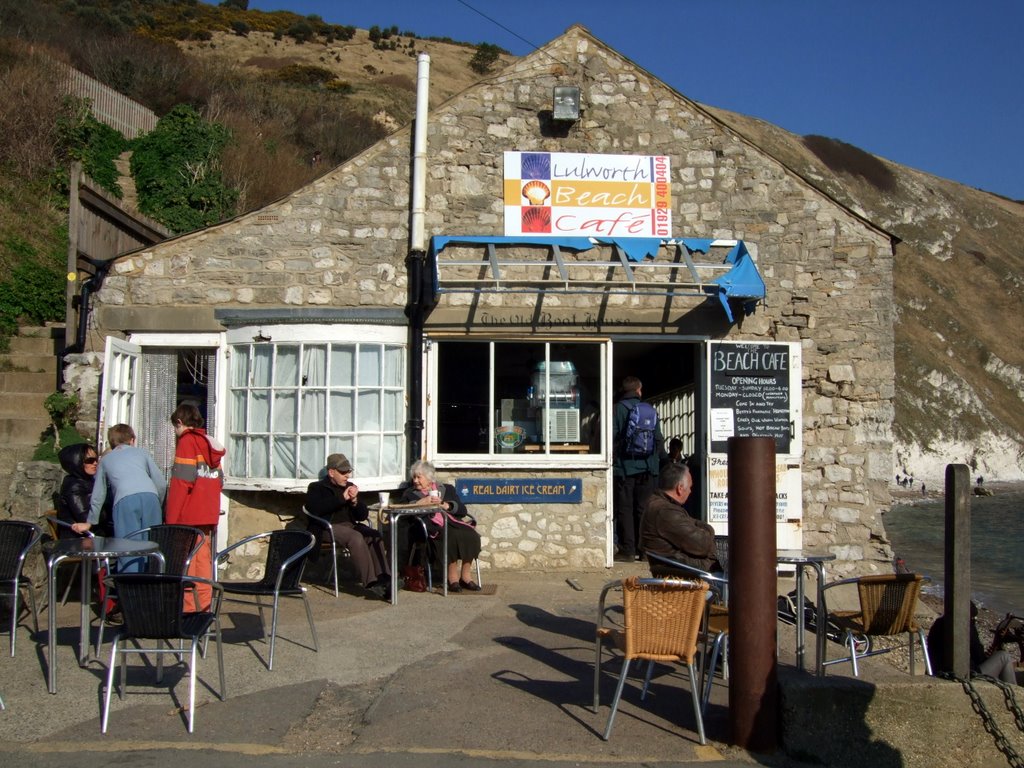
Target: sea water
(997, 546)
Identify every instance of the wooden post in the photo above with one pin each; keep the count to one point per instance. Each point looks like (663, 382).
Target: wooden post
(957, 598)
(753, 689)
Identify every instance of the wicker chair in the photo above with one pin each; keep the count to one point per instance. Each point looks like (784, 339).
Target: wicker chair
(660, 623)
(887, 605)
(152, 608)
(17, 537)
(714, 630)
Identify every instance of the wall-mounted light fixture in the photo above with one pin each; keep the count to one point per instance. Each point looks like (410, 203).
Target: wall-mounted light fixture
(566, 103)
(261, 337)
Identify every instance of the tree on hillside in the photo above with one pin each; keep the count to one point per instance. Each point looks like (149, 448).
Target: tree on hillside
(484, 58)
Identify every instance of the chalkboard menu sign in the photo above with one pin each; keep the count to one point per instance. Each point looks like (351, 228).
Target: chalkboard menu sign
(749, 393)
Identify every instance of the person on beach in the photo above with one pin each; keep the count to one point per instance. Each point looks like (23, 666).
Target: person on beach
(999, 664)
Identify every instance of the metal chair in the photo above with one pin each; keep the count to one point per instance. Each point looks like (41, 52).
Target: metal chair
(329, 543)
(55, 524)
(178, 544)
(151, 604)
(660, 623)
(17, 537)
(887, 605)
(282, 574)
(715, 626)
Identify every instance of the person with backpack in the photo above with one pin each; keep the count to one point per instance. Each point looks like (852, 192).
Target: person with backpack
(636, 455)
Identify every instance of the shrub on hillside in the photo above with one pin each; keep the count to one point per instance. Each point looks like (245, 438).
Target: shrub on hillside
(95, 144)
(304, 74)
(177, 170)
(33, 291)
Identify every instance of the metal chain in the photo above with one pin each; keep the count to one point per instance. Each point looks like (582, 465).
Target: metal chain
(1010, 698)
(991, 726)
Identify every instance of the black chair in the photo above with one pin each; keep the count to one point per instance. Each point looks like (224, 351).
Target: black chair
(325, 535)
(17, 537)
(178, 544)
(286, 560)
(151, 604)
(55, 524)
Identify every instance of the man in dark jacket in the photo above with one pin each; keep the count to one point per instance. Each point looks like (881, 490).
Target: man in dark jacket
(336, 498)
(668, 530)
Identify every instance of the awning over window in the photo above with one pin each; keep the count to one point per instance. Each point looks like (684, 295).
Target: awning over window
(598, 265)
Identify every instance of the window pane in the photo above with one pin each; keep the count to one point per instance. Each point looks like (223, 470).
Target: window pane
(240, 366)
(344, 445)
(259, 457)
(259, 411)
(260, 374)
(236, 456)
(314, 366)
(391, 456)
(343, 366)
(314, 411)
(394, 411)
(238, 420)
(311, 456)
(284, 457)
(463, 371)
(393, 357)
(370, 364)
(285, 412)
(343, 410)
(286, 367)
(369, 454)
(369, 410)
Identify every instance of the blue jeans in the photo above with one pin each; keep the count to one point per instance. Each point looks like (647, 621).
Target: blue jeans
(133, 513)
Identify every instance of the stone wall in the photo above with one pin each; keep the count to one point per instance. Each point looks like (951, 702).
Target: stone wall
(342, 241)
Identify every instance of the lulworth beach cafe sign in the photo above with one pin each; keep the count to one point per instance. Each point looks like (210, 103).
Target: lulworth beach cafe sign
(581, 195)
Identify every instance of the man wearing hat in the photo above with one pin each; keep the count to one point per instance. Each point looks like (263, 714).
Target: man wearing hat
(335, 498)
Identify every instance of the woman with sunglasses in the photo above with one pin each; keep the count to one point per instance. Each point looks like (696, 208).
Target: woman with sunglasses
(80, 462)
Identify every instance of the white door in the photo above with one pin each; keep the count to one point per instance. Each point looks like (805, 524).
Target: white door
(120, 387)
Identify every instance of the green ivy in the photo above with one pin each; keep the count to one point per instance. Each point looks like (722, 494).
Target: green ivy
(178, 173)
(33, 292)
(95, 144)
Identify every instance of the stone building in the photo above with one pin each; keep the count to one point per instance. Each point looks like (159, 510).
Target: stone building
(657, 242)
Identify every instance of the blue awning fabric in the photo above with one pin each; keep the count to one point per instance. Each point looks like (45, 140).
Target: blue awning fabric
(743, 282)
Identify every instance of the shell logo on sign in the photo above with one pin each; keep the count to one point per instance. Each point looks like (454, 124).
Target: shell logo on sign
(580, 195)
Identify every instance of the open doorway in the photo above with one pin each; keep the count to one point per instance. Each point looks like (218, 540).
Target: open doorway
(672, 373)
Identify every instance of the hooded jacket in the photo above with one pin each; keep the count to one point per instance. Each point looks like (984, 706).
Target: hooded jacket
(75, 493)
(193, 496)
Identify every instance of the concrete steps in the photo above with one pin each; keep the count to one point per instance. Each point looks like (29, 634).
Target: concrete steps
(28, 375)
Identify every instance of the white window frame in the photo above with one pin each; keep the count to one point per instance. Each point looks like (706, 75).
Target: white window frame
(540, 460)
(338, 333)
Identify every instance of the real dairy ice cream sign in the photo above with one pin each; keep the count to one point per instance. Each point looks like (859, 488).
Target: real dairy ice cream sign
(574, 195)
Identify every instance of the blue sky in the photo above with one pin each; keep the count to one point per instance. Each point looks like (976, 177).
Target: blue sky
(937, 85)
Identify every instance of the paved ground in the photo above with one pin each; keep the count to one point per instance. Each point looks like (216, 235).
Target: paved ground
(471, 679)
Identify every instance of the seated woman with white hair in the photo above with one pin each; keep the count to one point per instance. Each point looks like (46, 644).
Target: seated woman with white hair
(463, 540)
